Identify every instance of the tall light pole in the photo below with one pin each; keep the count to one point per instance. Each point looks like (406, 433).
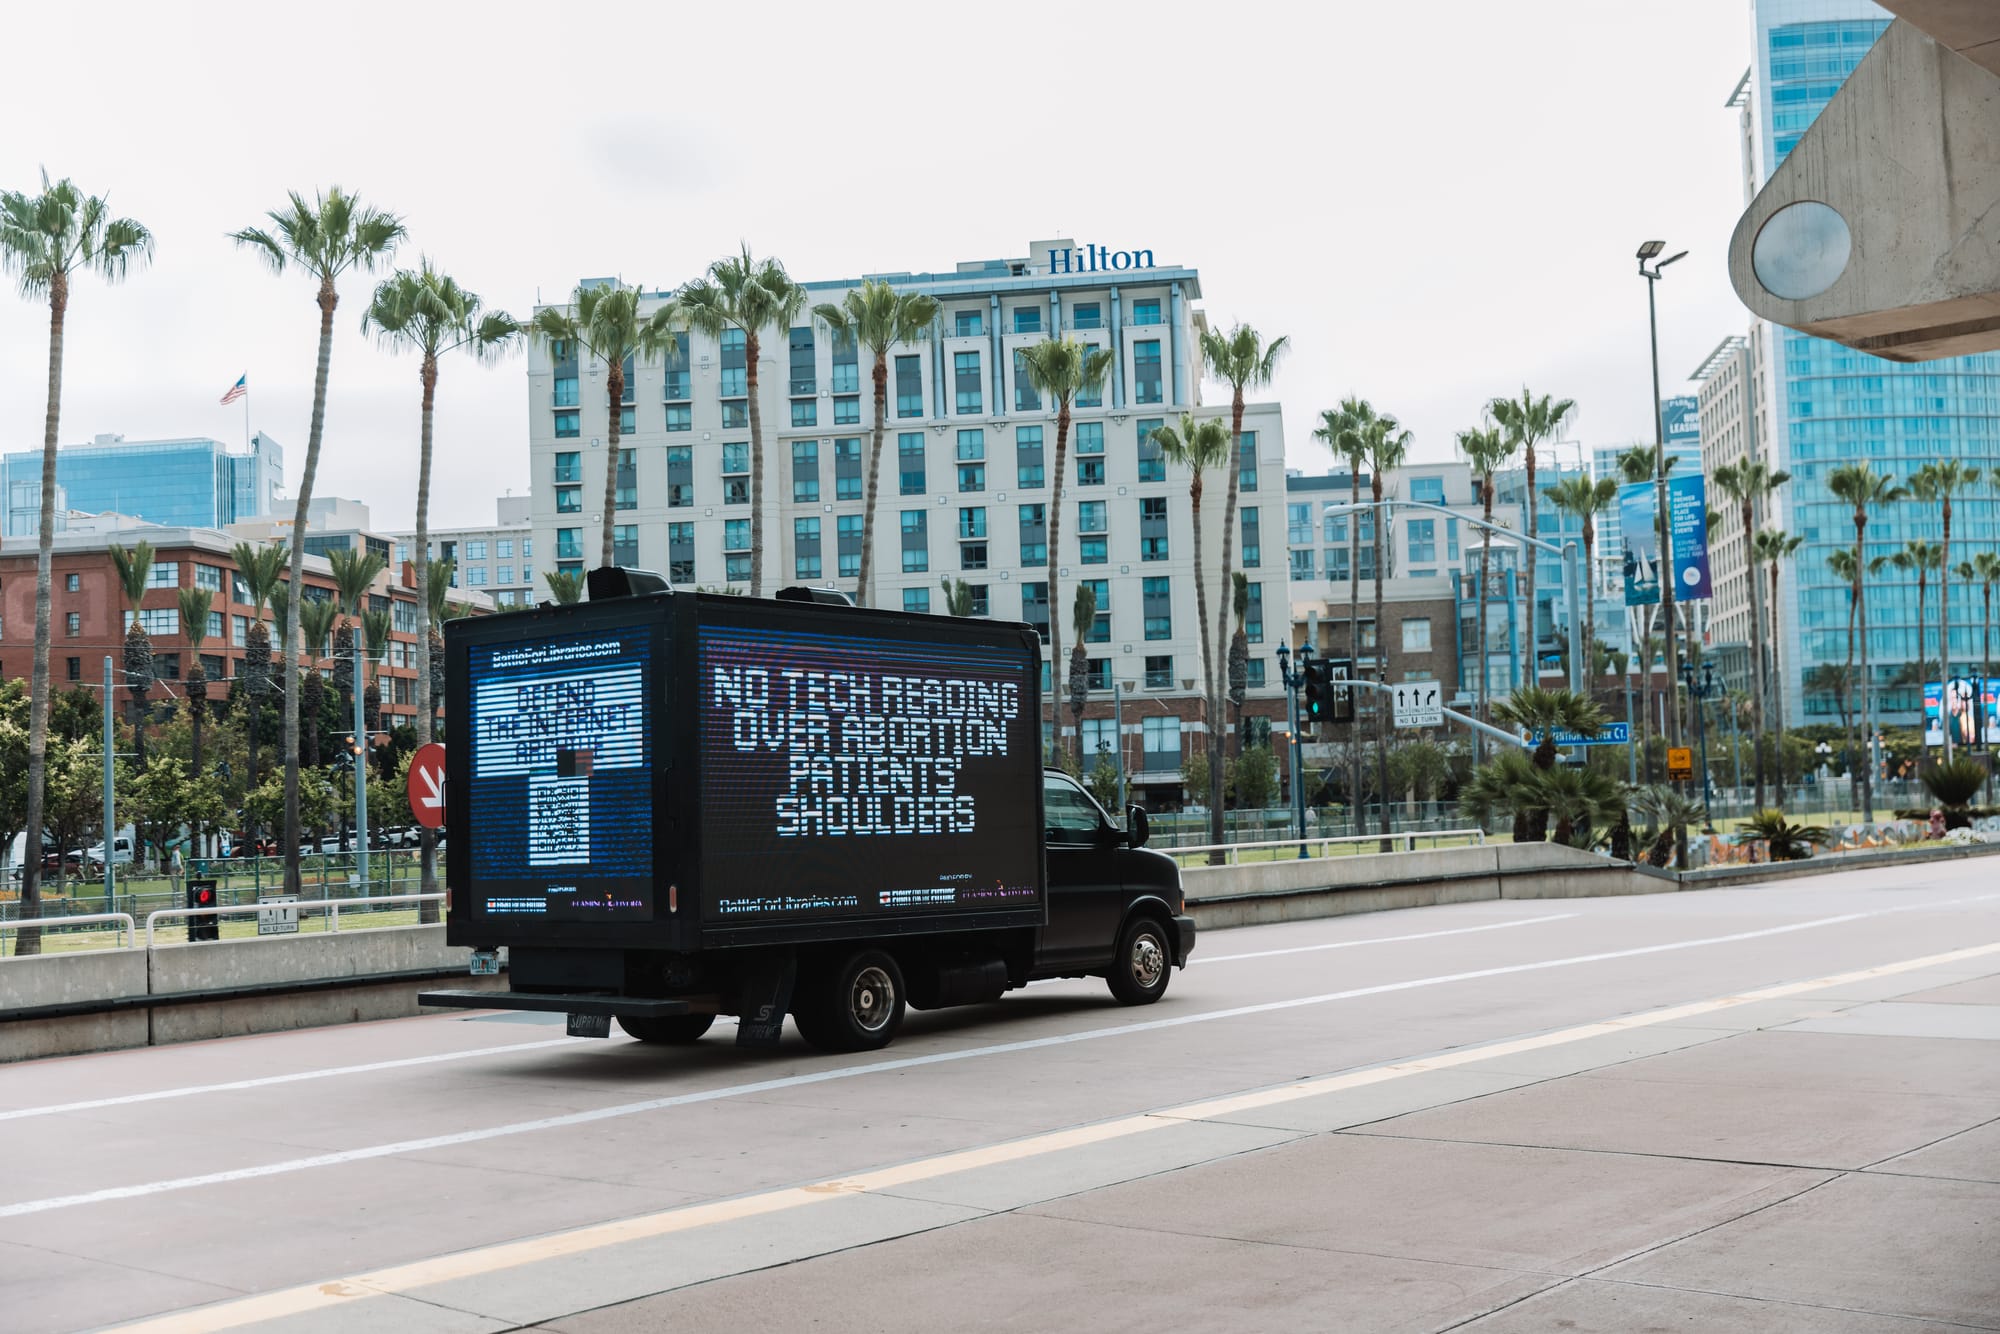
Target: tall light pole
(1292, 681)
(110, 810)
(1665, 556)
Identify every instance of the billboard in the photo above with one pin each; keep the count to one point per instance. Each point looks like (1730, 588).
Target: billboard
(844, 775)
(1680, 422)
(561, 777)
(1687, 504)
(1974, 710)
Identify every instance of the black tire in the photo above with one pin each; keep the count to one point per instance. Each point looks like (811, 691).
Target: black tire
(1143, 964)
(672, 1029)
(855, 1005)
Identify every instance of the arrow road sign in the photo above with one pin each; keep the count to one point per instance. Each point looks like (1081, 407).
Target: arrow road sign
(1419, 704)
(426, 791)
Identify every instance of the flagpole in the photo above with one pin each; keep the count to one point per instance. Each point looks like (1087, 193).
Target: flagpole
(246, 418)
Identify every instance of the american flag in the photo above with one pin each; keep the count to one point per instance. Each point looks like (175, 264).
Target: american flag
(237, 390)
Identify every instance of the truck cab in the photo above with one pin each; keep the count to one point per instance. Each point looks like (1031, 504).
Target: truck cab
(1103, 883)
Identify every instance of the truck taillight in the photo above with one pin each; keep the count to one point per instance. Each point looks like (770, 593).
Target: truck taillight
(673, 898)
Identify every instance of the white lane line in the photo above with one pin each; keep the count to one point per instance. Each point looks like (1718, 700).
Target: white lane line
(429, 1142)
(1384, 940)
(321, 1299)
(266, 1081)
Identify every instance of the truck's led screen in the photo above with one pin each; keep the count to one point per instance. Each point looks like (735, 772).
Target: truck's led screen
(843, 775)
(561, 782)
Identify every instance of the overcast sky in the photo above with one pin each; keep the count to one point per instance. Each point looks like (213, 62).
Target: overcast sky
(1438, 203)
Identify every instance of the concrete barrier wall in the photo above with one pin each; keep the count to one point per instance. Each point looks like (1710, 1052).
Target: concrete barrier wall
(72, 979)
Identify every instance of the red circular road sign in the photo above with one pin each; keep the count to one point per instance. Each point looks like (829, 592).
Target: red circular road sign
(426, 789)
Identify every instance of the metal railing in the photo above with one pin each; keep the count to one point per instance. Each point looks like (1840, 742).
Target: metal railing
(1408, 838)
(61, 923)
(331, 907)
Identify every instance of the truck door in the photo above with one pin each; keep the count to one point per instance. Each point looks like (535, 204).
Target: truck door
(1086, 890)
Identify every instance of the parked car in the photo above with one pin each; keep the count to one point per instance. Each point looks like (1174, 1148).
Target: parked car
(121, 853)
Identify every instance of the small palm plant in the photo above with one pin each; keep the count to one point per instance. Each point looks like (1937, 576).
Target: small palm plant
(1786, 842)
(957, 596)
(1668, 812)
(1953, 784)
(565, 588)
(1543, 711)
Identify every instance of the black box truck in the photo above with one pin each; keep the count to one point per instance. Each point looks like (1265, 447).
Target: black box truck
(668, 805)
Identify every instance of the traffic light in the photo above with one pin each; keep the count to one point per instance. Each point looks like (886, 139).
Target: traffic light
(1319, 691)
(201, 894)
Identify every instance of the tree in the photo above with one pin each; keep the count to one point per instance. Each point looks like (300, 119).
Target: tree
(1083, 615)
(1668, 812)
(324, 240)
(135, 571)
(1197, 446)
(1747, 482)
(1388, 446)
(1103, 782)
(1239, 650)
(162, 800)
(319, 805)
(1984, 570)
(354, 571)
(1542, 712)
(1060, 369)
(316, 620)
(1254, 775)
(13, 768)
(1194, 772)
(878, 317)
(603, 321)
(260, 569)
(1769, 548)
(957, 596)
(1861, 486)
(564, 588)
(1345, 430)
(438, 609)
(1243, 360)
(1937, 481)
(1577, 801)
(75, 802)
(1920, 558)
(753, 295)
(1527, 422)
(1584, 498)
(1486, 449)
(194, 605)
(1506, 785)
(46, 240)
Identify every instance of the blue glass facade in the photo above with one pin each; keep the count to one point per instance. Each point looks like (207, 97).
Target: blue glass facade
(195, 483)
(1832, 405)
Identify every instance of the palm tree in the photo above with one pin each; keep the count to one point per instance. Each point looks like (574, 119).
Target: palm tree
(752, 295)
(353, 571)
(1581, 496)
(429, 313)
(1060, 369)
(1542, 711)
(316, 619)
(324, 239)
(957, 596)
(1861, 486)
(375, 638)
(1841, 563)
(1486, 449)
(1526, 422)
(45, 241)
(1747, 482)
(194, 605)
(1239, 650)
(1769, 548)
(564, 588)
(1345, 430)
(603, 320)
(1388, 446)
(1938, 481)
(135, 570)
(260, 568)
(1984, 570)
(876, 316)
(437, 606)
(1083, 615)
(1197, 446)
(1920, 558)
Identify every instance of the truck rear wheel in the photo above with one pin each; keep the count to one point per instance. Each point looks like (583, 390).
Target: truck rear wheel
(673, 1029)
(1143, 964)
(856, 1005)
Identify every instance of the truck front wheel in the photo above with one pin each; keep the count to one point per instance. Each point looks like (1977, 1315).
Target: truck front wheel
(1144, 962)
(674, 1029)
(856, 1005)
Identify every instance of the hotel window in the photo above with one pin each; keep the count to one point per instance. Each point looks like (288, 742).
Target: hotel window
(209, 577)
(1423, 541)
(1253, 542)
(1159, 673)
(972, 538)
(1100, 626)
(1091, 395)
(1027, 319)
(909, 387)
(74, 583)
(680, 417)
(735, 414)
(847, 481)
(965, 382)
(1253, 619)
(1247, 463)
(504, 548)
(626, 499)
(1086, 315)
(1429, 490)
(1028, 456)
(628, 380)
(1153, 528)
(568, 426)
(1451, 540)
(1035, 611)
(73, 624)
(628, 420)
(981, 604)
(676, 380)
(1158, 595)
(1298, 524)
(1161, 739)
(74, 668)
(565, 392)
(239, 631)
(846, 367)
(804, 378)
(1093, 546)
(735, 382)
(1302, 563)
(846, 411)
(1025, 397)
(475, 576)
(848, 529)
(527, 548)
(1152, 463)
(167, 666)
(569, 500)
(1034, 535)
(805, 412)
(402, 552)
(910, 463)
(917, 600)
(736, 535)
(1146, 312)
(1417, 635)
(805, 472)
(805, 548)
(164, 574)
(504, 575)
(1146, 372)
(916, 542)
(680, 553)
(968, 323)
(680, 476)
(1090, 453)
(156, 621)
(624, 547)
(569, 468)
(214, 627)
(972, 460)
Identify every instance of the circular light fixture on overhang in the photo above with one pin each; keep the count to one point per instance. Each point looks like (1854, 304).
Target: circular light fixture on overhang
(1801, 250)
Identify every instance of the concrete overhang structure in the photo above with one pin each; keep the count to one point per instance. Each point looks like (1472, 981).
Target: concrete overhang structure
(1881, 229)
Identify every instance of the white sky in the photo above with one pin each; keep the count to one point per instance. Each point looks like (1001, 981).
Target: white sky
(1439, 202)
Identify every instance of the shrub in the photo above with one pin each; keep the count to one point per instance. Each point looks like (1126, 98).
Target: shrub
(1788, 842)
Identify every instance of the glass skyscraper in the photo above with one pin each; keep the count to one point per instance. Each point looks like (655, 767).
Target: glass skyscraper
(1830, 405)
(190, 483)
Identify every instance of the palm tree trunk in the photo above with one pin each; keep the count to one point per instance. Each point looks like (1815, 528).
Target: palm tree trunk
(1867, 766)
(30, 942)
(1055, 548)
(1200, 588)
(864, 591)
(1589, 591)
(1354, 637)
(1485, 567)
(1944, 630)
(1534, 676)
(1847, 713)
(1756, 653)
(614, 395)
(1923, 657)
(1381, 661)
(426, 705)
(328, 300)
(757, 470)
(1213, 672)
(1777, 691)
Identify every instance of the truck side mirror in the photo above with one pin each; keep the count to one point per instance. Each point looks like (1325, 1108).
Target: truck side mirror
(1135, 820)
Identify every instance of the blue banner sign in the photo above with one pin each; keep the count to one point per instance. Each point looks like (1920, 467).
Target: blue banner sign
(1687, 500)
(1611, 734)
(1687, 504)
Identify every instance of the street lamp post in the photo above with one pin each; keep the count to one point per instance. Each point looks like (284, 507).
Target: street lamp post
(1664, 557)
(110, 812)
(1292, 681)
(1698, 693)
(1631, 742)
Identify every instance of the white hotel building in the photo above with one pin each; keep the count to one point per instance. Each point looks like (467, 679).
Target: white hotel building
(967, 462)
